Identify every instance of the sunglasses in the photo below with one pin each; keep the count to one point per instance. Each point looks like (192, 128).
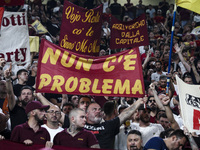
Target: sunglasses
(152, 101)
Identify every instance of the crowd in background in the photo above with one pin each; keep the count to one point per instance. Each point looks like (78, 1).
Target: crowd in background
(111, 119)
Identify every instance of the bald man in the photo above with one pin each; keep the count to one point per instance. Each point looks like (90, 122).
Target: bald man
(76, 132)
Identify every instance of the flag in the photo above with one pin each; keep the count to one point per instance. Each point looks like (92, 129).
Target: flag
(80, 30)
(189, 98)
(34, 43)
(196, 31)
(39, 28)
(1, 15)
(14, 38)
(63, 71)
(129, 34)
(11, 2)
(192, 5)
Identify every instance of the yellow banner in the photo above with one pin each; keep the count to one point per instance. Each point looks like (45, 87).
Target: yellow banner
(34, 43)
(39, 28)
(192, 5)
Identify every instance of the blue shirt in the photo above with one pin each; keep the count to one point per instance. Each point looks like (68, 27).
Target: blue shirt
(155, 143)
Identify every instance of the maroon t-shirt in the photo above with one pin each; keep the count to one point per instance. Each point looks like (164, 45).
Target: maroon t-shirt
(84, 139)
(23, 132)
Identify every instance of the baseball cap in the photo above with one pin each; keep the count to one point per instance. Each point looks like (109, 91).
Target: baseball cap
(144, 106)
(35, 105)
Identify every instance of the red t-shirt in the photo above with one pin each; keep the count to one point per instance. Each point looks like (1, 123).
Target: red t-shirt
(84, 139)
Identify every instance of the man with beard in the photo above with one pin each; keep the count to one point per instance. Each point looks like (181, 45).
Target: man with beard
(53, 115)
(105, 131)
(76, 132)
(147, 129)
(31, 132)
(161, 89)
(134, 140)
(154, 103)
(17, 107)
(156, 75)
(154, 108)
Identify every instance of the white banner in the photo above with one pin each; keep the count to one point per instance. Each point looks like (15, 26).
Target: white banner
(14, 39)
(189, 98)
(196, 31)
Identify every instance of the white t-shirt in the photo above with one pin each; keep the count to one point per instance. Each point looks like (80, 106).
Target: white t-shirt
(120, 138)
(155, 76)
(151, 12)
(52, 132)
(153, 130)
(105, 5)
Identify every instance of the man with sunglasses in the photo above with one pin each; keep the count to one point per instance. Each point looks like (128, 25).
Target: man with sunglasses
(154, 108)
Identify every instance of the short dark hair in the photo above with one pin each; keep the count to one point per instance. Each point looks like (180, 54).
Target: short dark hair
(26, 87)
(109, 107)
(135, 132)
(149, 98)
(20, 71)
(166, 133)
(80, 96)
(158, 61)
(186, 75)
(178, 133)
(67, 104)
(122, 107)
(162, 115)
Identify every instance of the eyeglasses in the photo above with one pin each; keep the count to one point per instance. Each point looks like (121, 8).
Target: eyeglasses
(152, 101)
(54, 112)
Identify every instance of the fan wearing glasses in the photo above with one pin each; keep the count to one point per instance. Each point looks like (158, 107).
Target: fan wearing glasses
(154, 108)
(53, 115)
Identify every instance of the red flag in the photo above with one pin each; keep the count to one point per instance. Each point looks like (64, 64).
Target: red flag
(129, 34)
(118, 75)
(11, 2)
(80, 29)
(1, 15)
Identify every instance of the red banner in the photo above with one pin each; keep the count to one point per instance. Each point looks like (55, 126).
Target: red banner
(11, 2)
(8, 145)
(62, 71)
(81, 29)
(1, 15)
(129, 34)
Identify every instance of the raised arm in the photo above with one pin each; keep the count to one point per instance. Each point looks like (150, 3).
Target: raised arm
(9, 87)
(197, 77)
(193, 144)
(159, 103)
(174, 124)
(130, 110)
(179, 52)
(146, 59)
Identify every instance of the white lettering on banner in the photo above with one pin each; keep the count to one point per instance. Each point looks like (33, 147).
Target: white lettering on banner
(14, 39)
(89, 127)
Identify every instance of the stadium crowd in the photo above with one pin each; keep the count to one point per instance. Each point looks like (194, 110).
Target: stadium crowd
(151, 122)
